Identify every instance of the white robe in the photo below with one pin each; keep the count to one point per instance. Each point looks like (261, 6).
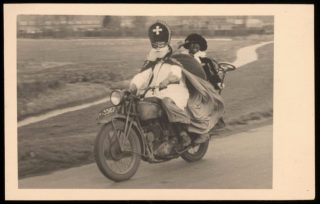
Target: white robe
(177, 92)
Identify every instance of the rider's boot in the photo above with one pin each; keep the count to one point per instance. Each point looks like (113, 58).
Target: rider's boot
(202, 138)
(185, 138)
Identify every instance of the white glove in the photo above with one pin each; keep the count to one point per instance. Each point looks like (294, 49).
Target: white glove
(221, 85)
(220, 74)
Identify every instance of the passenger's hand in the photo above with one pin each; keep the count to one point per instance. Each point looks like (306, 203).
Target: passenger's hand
(220, 74)
(221, 85)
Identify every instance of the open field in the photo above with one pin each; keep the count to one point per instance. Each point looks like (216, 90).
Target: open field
(59, 73)
(67, 140)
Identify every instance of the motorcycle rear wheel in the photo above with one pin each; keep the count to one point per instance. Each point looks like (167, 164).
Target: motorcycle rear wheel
(110, 158)
(195, 153)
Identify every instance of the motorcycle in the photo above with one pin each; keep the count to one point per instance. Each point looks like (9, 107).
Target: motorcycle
(136, 128)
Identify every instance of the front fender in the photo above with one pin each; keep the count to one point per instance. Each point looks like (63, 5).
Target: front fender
(135, 126)
(104, 120)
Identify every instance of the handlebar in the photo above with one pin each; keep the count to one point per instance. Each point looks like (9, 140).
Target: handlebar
(148, 89)
(134, 96)
(226, 67)
(153, 88)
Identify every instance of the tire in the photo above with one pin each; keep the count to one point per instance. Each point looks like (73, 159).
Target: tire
(197, 155)
(103, 146)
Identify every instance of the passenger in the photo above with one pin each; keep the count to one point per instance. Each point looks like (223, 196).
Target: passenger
(197, 45)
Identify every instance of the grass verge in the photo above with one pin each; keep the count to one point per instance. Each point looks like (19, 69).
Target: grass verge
(66, 96)
(62, 70)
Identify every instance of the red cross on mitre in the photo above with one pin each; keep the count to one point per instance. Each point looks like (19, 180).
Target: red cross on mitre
(159, 34)
(157, 30)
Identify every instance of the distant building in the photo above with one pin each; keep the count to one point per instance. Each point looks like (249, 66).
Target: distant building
(51, 24)
(84, 25)
(127, 22)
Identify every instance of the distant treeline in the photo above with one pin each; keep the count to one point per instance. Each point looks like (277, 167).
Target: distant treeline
(64, 26)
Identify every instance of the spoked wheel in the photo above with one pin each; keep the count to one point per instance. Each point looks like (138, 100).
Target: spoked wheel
(117, 157)
(196, 152)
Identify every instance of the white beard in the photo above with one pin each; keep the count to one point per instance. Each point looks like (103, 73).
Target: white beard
(157, 53)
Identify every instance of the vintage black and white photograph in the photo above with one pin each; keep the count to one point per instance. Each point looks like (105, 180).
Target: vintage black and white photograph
(145, 101)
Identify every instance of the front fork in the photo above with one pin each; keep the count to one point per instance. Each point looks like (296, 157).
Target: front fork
(122, 136)
(124, 133)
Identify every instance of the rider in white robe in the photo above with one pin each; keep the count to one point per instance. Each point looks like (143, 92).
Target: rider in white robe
(162, 72)
(167, 77)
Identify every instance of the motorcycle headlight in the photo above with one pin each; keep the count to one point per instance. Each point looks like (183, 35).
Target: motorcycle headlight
(116, 97)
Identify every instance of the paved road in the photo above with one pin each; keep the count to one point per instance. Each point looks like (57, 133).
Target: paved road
(240, 161)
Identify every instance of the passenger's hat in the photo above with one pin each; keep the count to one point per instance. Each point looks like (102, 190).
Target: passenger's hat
(195, 38)
(159, 34)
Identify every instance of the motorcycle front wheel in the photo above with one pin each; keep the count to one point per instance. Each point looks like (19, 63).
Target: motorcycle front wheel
(115, 162)
(196, 152)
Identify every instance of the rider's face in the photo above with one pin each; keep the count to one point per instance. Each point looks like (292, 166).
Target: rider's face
(194, 48)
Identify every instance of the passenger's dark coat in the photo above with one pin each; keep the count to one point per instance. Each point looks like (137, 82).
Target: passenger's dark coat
(210, 67)
(205, 105)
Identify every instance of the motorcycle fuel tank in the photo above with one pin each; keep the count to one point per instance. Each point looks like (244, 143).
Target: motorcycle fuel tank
(149, 110)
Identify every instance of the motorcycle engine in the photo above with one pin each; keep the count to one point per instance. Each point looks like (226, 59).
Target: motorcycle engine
(158, 138)
(153, 131)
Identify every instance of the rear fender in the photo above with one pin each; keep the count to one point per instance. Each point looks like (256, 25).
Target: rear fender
(135, 127)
